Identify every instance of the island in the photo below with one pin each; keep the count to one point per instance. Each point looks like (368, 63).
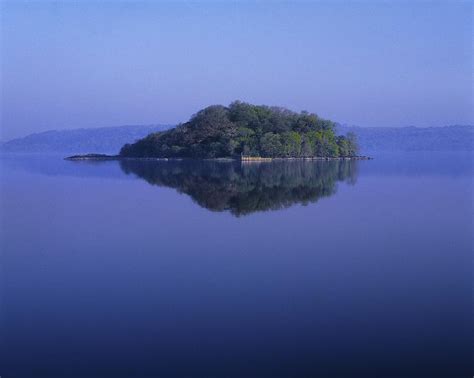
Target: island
(246, 132)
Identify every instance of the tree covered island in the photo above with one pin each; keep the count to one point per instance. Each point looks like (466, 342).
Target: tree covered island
(246, 130)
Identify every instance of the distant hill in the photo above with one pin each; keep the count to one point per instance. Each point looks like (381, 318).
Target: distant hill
(103, 139)
(370, 139)
(447, 138)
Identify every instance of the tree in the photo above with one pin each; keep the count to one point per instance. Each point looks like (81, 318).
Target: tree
(252, 130)
(306, 147)
(270, 145)
(343, 146)
(353, 147)
(291, 142)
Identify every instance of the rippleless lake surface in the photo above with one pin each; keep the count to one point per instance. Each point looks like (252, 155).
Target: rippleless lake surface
(297, 269)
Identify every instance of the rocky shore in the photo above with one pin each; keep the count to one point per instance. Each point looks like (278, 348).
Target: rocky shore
(101, 157)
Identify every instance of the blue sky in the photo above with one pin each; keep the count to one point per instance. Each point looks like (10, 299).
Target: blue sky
(76, 64)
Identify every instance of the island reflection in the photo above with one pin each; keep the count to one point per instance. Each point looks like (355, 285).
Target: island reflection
(245, 188)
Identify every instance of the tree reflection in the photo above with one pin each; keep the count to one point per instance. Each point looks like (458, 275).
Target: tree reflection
(244, 188)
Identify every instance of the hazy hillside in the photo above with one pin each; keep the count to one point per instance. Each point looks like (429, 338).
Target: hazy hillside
(103, 139)
(448, 138)
(111, 139)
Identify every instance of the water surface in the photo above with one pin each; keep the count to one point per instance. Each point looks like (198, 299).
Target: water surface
(217, 269)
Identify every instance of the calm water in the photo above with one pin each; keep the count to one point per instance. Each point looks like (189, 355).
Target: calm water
(217, 269)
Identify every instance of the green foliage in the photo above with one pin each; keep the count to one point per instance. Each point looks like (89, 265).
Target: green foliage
(270, 145)
(245, 129)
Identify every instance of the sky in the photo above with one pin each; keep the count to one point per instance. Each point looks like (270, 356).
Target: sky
(72, 64)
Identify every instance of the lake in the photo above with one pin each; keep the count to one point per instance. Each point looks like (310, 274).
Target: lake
(340, 268)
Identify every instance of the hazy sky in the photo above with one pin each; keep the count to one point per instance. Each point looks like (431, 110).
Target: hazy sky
(86, 64)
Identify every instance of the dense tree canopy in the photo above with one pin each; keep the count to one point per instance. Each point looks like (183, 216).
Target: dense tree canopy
(246, 130)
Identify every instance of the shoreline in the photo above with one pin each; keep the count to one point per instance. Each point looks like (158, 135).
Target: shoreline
(245, 159)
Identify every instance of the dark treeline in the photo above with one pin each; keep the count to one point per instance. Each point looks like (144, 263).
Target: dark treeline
(246, 188)
(246, 130)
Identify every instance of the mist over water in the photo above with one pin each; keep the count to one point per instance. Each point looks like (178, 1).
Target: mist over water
(220, 269)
